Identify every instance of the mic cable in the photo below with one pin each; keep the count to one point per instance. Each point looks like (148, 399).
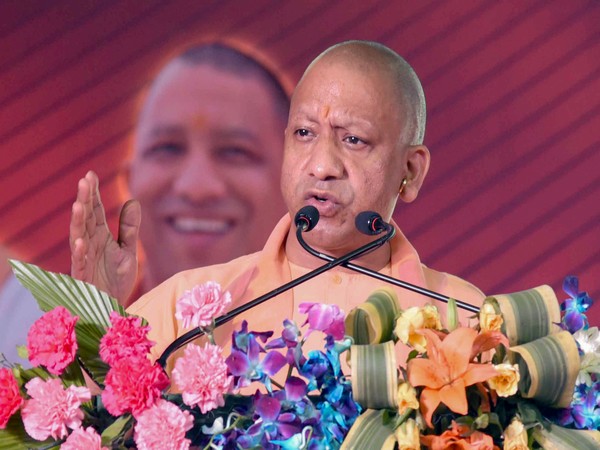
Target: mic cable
(370, 222)
(304, 219)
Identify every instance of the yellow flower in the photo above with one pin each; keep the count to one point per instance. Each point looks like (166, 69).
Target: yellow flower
(488, 319)
(406, 397)
(507, 381)
(413, 319)
(515, 436)
(407, 436)
(431, 317)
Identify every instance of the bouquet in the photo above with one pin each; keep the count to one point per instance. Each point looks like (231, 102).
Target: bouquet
(495, 383)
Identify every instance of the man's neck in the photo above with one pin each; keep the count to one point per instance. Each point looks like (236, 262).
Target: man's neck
(374, 260)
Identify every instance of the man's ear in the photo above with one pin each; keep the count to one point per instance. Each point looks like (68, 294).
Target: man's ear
(417, 165)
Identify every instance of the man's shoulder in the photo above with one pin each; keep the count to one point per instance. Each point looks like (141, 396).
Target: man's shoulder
(232, 274)
(453, 286)
(220, 271)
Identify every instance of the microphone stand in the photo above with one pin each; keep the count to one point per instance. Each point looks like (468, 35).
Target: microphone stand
(379, 276)
(333, 262)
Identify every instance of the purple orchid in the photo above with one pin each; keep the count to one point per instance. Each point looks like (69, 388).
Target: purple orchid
(574, 308)
(244, 362)
(586, 414)
(326, 318)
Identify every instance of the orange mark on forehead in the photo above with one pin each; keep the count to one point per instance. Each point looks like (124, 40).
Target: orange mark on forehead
(199, 122)
(325, 110)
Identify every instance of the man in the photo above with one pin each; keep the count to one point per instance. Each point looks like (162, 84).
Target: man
(205, 170)
(354, 142)
(207, 149)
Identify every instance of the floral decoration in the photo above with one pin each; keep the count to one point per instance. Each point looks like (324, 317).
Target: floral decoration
(464, 387)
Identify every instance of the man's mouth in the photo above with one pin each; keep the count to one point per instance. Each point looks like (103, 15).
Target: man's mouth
(193, 225)
(326, 204)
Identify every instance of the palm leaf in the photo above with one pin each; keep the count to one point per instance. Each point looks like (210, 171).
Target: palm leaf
(372, 322)
(554, 437)
(92, 306)
(14, 436)
(370, 432)
(374, 375)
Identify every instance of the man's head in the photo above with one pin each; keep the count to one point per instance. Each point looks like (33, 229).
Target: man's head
(207, 158)
(355, 132)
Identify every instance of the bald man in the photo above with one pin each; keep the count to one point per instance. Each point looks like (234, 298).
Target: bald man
(353, 142)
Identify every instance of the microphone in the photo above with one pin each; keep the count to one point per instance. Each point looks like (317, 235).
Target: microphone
(369, 222)
(306, 217)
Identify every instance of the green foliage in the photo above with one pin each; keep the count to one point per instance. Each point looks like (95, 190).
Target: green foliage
(92, 306)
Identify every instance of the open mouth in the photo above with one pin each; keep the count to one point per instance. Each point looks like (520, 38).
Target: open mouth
(193, 225)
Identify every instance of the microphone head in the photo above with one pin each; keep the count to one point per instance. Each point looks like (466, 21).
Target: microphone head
(369, 222)
(307, 218)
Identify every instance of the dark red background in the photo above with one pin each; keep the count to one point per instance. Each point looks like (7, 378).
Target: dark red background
(512, 199)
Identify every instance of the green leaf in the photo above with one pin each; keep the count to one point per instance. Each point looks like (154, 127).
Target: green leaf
(529, 413)
(482, 421)
(465, 420)
(92, 306)
(14, 436)
(116, 430)
(369, 432)
(452, 315)
(22, 352)
(374, 375)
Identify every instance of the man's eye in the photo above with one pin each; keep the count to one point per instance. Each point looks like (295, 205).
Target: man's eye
(165, 149)
(238, 155)
(354, 140)
(302, 132)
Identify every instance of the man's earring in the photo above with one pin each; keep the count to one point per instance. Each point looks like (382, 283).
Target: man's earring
(403, 185)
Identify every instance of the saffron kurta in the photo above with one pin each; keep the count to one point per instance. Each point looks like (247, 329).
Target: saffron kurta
(252, 275)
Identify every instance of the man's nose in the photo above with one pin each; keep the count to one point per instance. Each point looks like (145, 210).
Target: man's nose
(199, 178)
(326, 160)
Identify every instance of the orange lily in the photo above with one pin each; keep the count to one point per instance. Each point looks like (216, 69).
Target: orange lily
(447, 371)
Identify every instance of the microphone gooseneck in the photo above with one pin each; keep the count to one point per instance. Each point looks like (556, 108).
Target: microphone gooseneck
(333, 262)
(367, 222)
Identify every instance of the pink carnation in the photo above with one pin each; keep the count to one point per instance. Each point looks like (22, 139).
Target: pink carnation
(200, 305)
(201, 375)
(81, 439)
(51, 340)
(163, 426)
(10, 398)
(326, 318)
(126, 337)
(133, 385)
(52, 408)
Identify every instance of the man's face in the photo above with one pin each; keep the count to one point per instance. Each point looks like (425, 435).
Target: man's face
(343, 152)
(206, 168)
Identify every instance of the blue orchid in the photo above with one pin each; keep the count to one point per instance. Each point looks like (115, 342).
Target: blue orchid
(574, 308)
(586, 414)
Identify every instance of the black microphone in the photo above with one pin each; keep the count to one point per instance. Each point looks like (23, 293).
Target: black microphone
(310, 216)
(368, 222)
(307, 218)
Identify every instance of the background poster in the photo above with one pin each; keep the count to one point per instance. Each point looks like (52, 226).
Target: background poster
(513, 92)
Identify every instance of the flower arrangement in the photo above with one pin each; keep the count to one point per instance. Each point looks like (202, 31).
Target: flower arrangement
(494, 384)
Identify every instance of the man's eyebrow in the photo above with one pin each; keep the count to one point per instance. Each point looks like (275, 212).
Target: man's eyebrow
(169, 130)
(236, 133)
